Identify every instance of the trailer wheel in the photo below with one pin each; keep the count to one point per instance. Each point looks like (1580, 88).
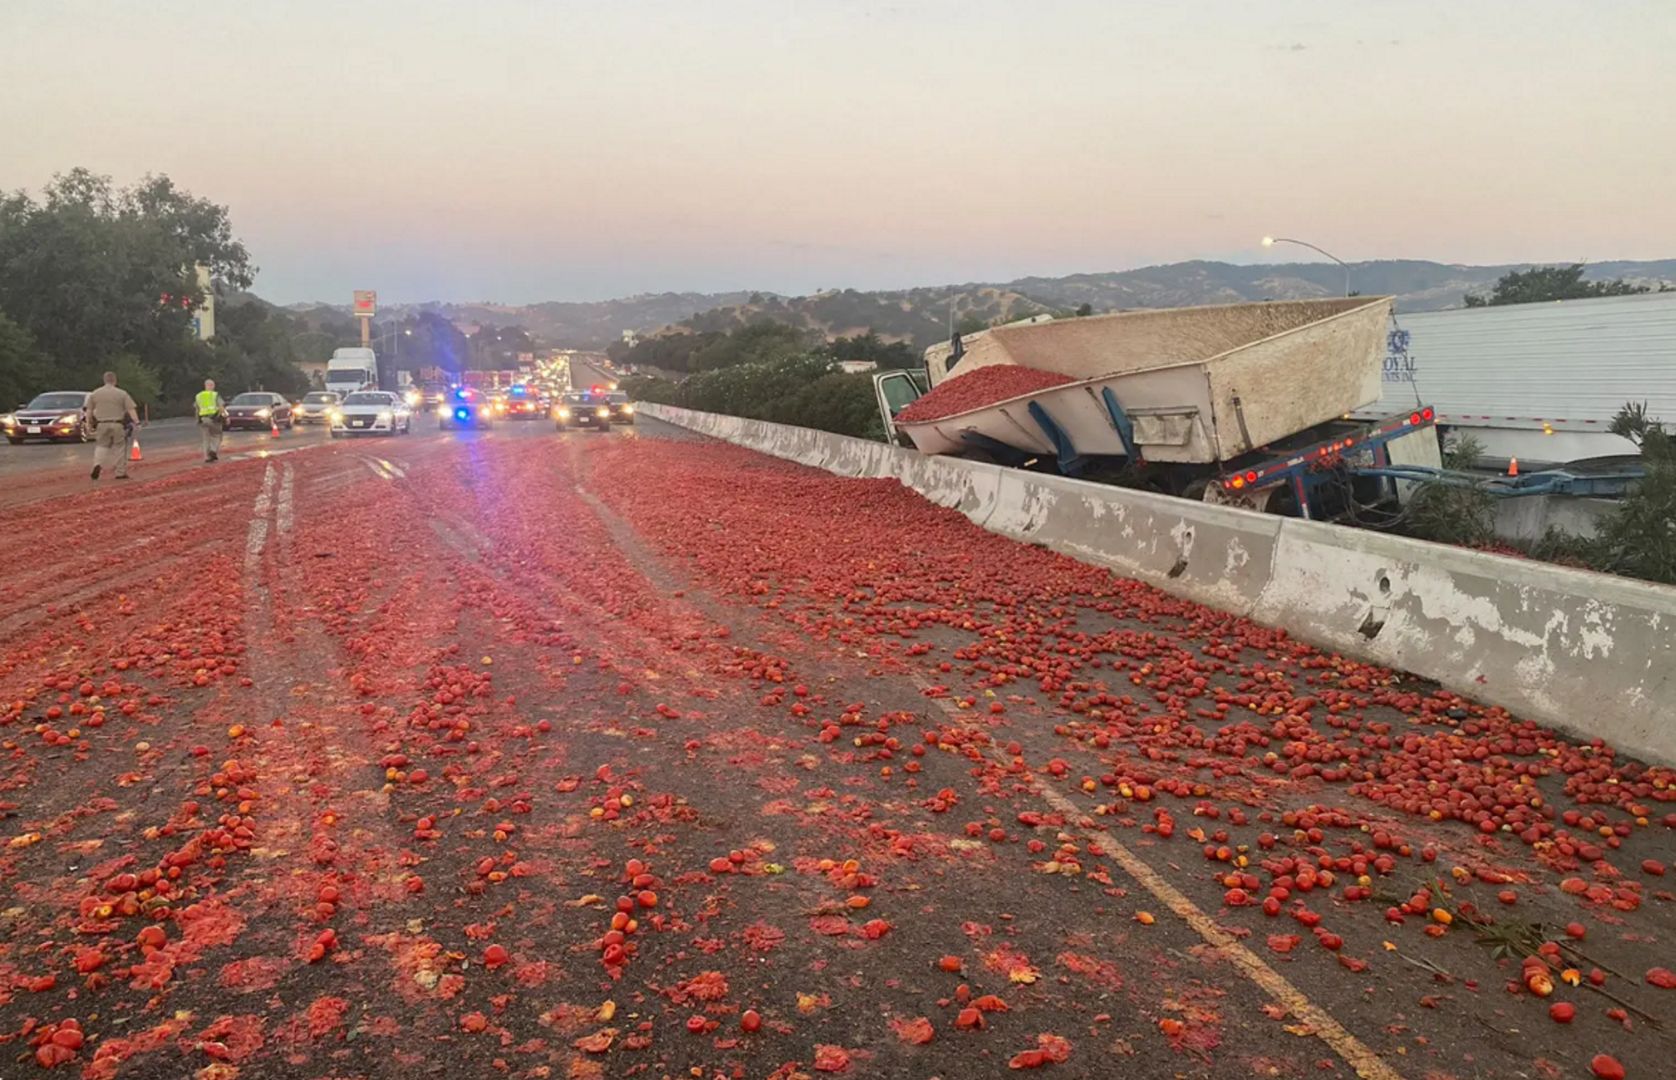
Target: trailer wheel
(1216, 495)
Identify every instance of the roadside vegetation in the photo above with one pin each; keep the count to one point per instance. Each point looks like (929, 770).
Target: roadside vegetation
(94, 277)
(768, 371)
(1637, 539)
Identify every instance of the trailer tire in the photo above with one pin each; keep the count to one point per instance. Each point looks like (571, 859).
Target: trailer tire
(1216, 495)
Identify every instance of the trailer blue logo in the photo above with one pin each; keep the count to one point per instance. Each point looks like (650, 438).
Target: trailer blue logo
(1399, 366)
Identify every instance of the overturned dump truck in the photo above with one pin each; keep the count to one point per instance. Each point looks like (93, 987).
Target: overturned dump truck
(1244, 404)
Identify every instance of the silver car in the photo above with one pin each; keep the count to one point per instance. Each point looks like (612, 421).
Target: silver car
(316, 407)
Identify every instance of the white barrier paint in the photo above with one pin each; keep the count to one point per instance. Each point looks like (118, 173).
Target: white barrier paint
(1591, 654)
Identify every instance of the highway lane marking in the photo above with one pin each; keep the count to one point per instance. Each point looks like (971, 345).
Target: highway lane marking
(263, 455)
(283, 512)
(392, 468)
(258, 534)
(1357, 1054)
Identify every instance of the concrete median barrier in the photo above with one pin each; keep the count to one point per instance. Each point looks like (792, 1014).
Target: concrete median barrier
(1591, 654)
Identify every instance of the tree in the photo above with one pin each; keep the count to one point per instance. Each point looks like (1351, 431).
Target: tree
(871, 347)
(758, 343)
(496, 348)
(1084, 310)
(93, 272)
(21, 365)
(1639, 536)
(1541, 283)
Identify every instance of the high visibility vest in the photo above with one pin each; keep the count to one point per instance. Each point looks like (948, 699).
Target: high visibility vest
(209, 403)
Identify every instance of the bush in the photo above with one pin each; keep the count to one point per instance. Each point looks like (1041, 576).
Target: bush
(1454, 515)
(798, 390)
(1639, 537)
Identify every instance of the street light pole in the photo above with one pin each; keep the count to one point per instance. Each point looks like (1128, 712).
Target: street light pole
(1271, 241)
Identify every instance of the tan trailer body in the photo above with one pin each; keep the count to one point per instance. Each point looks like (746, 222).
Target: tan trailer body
(1201, 385)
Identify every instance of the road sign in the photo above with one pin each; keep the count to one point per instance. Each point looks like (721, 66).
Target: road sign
(366, 302)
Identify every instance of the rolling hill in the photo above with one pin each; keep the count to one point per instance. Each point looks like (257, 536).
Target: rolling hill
(922, 315)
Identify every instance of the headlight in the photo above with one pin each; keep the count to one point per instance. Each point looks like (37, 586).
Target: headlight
(264, 413)
(7, 419)
(442, 410)
(69, 418)
(412, 397)
(564, 414)
(336, 415)
(602, 411)
(628, 408)
(386, 416)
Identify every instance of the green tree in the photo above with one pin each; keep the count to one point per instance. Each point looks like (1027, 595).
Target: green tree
(759, 342)
(1639, 536)
(1543, 283)
(1084, 310)
(802, 390)
(93, 271)
(869, 346)
(22, 367)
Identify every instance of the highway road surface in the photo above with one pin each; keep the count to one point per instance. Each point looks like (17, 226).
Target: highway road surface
(534, 754)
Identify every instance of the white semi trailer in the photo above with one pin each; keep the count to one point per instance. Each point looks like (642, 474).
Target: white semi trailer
(1539, 382)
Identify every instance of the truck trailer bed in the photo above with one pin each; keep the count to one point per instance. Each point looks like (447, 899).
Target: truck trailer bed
(1188, 385)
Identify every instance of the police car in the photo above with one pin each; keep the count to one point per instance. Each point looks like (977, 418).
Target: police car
(464, 407)
(372, 412)
(522, 403)
(583, 410)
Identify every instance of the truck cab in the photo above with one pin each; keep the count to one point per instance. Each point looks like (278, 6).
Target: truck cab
(350, 370)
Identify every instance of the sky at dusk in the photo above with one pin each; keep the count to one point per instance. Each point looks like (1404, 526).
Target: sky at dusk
(523, 151)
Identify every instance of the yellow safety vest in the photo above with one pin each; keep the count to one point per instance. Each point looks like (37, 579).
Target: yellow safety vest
(209, 403)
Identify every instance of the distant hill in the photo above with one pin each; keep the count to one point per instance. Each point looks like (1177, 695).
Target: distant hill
(1418, 285)
(922, 315)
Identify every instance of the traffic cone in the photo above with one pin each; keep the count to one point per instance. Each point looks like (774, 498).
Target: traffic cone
(134, 454)
(273, 432)
(1512, 466)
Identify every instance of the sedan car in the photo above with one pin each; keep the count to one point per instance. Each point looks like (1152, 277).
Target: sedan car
(622, 409)
(465, 407)
(584, 410)
(259, 409)
(524, 403)
(316, 407)
(53, 416)
(372, 412)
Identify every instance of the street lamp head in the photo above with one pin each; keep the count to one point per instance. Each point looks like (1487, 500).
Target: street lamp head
(1268, 241)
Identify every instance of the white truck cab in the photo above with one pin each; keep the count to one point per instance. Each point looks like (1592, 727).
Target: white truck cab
(350, 370)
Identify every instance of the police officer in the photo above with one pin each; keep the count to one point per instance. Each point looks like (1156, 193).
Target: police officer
(212, 414)
(109, 411)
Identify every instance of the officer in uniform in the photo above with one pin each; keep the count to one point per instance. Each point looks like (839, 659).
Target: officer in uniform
(109, 411)
(212, 412)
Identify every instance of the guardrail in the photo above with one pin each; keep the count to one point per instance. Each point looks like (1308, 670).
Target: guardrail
(1591, 654)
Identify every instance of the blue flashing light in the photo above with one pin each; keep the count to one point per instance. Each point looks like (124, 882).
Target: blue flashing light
(462, 414)
(518, 390)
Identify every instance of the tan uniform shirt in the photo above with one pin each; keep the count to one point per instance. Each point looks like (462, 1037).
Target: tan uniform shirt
(109, 403)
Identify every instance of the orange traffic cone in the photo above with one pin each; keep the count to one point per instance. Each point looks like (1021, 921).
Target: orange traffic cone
(1512, 466)
(134, 454)
(273, 432)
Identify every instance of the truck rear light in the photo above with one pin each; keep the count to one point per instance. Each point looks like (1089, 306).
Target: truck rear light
(1414, 418)
(1426, 413)
(1251, 478)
